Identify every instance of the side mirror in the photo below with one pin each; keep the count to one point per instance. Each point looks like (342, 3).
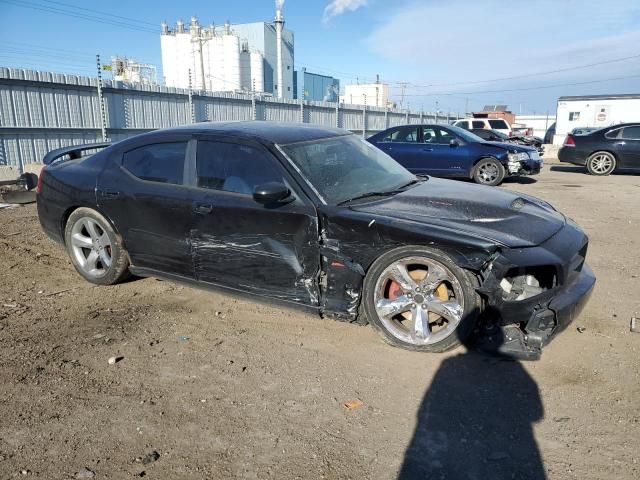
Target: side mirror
(271, 192)
(454, 143)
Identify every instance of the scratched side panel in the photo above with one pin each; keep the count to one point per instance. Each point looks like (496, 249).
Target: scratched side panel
(266, 251)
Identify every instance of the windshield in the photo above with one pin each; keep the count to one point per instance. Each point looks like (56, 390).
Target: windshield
(466, 135)
(345, 167)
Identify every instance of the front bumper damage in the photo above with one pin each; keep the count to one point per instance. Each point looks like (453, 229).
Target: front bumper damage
(521, 328)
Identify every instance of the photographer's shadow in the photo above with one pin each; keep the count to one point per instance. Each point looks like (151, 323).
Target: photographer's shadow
(476, 423)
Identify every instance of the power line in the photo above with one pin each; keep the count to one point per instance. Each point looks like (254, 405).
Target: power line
(526, 88)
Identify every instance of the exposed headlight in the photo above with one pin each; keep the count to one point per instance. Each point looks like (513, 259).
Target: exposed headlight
(518, 157)
(534, 155)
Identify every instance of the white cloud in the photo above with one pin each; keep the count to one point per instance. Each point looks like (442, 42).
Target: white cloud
(338, 7)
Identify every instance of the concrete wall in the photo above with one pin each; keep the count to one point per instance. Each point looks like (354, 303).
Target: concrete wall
(41, 111)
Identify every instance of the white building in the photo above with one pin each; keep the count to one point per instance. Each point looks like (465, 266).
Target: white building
(372, 94)
(537, 124)
(247, 57)
(594, 111)
(128, 70)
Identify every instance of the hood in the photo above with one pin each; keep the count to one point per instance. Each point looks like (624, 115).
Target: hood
(510, 218)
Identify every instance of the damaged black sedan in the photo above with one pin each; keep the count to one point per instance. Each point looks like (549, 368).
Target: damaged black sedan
(320, 218)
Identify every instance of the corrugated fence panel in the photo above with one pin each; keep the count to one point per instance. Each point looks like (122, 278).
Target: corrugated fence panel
(40, 111)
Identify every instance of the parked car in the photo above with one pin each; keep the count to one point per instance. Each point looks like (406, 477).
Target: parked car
(319, 218)
(452, 152)
(605, 150)
(497, 124)
(495, 136)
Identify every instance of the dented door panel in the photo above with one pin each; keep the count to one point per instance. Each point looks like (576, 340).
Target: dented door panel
(246, 246)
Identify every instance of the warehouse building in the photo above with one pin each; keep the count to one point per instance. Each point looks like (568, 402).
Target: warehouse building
(372, 94)
(312, 86)
(594, 111)
(249, 57)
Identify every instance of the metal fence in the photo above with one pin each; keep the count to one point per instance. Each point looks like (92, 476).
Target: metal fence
(41, 111)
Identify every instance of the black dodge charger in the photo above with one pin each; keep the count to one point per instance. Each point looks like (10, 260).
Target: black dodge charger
(318, 217)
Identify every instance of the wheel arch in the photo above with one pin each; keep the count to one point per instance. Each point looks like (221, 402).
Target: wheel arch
(67, 213)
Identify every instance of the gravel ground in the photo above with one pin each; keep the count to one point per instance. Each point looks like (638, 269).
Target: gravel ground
(210, 386)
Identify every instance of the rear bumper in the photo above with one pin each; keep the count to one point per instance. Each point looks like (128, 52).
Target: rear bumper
(571, 155)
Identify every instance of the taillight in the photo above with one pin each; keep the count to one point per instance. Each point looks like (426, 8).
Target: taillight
(569, 141)
(39, 185)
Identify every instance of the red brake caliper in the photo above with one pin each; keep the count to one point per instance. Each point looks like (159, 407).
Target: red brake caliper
(394, 290)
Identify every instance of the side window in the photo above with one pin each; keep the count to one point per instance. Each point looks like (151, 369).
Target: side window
(478, 124)
(613, 133)
(389, 136)
(233, 167)
(498, 124)
(429, 135)
(631, 133)
(444, 137)
(160, 162)
(403, 135)
(463, 124)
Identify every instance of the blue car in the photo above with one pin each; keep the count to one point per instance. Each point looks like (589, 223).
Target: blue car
(452, 152)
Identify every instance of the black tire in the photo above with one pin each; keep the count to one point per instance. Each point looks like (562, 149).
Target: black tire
(118, 268)
(466, 280)
(601, 163)
(483, 167)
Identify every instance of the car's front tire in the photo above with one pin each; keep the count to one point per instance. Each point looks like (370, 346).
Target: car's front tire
(417, 298)
(489, 171)
(601, 163)
(96, 252)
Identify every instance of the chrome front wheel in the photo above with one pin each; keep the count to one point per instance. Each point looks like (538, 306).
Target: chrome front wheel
(420, 301)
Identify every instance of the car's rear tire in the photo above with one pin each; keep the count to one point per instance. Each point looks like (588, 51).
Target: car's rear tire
(417, 298)
(601, 163)
(96, 251)
(489, 171)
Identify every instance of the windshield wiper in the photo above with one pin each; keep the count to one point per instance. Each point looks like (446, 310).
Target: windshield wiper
(369, 194)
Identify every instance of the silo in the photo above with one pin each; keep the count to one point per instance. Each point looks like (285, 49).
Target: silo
(257, 71)
(231, 45)
(245, 70)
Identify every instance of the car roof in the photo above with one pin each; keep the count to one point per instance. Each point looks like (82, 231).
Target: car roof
(274, 132)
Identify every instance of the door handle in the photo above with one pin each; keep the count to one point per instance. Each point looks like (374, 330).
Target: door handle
(203, 208)
(427, 149)
(109, 194)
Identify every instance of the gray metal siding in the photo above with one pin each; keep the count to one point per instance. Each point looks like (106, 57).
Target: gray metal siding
(41, 111)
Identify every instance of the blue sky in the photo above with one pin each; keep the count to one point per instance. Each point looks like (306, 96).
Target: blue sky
(453, 52)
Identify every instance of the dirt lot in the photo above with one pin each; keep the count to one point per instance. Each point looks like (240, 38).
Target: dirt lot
(226, 388)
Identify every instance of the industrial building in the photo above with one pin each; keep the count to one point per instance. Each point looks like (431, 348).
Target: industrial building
(251, 57)
(594, 111)
(312, 86)
(125, 69)
(372, 94)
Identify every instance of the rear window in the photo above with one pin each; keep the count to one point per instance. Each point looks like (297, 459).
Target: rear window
(478, 124)
(498, 124)
(160, 162)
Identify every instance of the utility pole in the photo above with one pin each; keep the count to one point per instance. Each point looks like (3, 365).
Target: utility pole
(192, 111)
(403, 85)
(103, 114)
(364, 116)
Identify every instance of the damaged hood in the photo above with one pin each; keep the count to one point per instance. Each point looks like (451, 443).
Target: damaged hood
(510, 218)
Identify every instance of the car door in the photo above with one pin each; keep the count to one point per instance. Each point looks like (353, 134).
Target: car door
(629, 147)
(446, 160)
(266, 250)
(144, 195)
(402, 144)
